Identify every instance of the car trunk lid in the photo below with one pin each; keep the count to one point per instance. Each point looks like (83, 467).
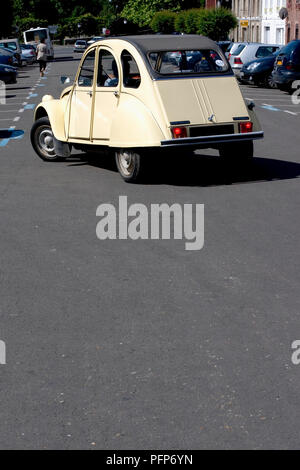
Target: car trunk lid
(201, 101)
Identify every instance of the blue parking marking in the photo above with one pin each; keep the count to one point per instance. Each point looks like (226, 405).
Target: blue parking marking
(269, 107)
(29, 106)
(10, 134)
(32, 95)
(41, 84)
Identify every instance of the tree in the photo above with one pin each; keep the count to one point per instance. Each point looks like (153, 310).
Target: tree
(216, 23)
(142, 11)
(6, 18)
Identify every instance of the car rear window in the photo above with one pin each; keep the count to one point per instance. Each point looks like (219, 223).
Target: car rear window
(265, 51)
(187, 62)
(239, 49)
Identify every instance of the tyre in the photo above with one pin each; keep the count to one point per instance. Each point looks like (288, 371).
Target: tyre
(269, 81)
(42, 140)
(130, 165)
(237, 153)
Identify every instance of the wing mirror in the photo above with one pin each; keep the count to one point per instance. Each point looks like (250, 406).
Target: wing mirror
(65, 80)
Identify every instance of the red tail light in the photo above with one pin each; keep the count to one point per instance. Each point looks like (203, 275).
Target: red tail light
(237, 60)
(289, 66)
(10, 61)
(179, 132)
(229, 55)
(246, 127)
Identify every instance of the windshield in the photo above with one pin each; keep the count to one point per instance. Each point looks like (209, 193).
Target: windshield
(187, 62)
(36, 36)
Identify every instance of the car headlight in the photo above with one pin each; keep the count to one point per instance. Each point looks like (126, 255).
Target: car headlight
(253, 66)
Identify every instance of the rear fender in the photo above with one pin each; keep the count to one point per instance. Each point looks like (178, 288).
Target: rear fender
(134, 125)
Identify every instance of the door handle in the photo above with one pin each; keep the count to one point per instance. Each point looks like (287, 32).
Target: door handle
(116, 94)
(90, 93)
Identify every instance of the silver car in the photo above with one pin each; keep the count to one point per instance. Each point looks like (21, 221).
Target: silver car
(248, 51)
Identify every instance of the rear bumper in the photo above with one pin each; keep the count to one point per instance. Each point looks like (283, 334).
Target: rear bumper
(212, 141)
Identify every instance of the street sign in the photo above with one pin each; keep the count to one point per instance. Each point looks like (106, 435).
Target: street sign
(244, 23)
(53, 29)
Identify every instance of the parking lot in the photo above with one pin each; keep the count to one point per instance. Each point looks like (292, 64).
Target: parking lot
(123, 344)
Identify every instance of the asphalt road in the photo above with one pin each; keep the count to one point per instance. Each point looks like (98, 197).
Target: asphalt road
(141, 344)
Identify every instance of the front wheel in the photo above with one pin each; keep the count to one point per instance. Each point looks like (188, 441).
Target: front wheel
(130, 164)
(42, 140)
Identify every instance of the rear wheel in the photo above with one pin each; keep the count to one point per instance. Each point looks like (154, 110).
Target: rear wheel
(42, 140)
(237, 153)
(130, 164)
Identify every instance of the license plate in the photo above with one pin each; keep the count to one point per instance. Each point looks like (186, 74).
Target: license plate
(279, 62)
(250, 78)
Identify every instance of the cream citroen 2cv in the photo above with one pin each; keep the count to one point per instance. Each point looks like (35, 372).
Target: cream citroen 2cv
(143, 95)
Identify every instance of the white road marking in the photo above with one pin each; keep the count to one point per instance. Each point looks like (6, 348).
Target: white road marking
(21, 110)
(290, 112)
(17, 119)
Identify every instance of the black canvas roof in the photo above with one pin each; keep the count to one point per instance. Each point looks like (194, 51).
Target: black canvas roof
(167, 42)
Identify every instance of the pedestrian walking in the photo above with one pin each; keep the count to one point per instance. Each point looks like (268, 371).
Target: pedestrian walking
(42, 56)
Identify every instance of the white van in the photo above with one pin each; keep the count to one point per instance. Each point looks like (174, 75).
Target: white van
(34, 35)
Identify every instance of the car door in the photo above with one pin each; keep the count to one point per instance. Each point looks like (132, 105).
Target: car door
(107, 93)
(82, 100)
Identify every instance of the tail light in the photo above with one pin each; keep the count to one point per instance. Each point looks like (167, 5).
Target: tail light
(229, 55)
(179, 132)
(10, 61)
(238, 61)
(289, 66)
(246, 127)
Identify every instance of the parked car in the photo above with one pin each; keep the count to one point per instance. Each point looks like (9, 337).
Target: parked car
(130, 98)
(224, 45)
(28, 54)
(80, 45)
(231, 48)
(14, 46)
(246, 52)
(287, 66)
(94, 39)
(8, 74)
(6, 56)
(260, 71)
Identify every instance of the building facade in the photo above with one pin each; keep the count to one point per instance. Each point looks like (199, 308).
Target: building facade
(293, 20)
(249, 15)
(272, 26)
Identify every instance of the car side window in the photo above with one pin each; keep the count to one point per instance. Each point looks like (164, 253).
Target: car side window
(131, 73)
(108, 73)
(265, 51)
(86, 76)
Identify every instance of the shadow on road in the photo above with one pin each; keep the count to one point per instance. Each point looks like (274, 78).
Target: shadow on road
(67, 59)
(200, 170)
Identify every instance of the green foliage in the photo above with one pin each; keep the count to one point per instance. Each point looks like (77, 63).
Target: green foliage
(216, 23)
(179, 23)
(163, 22)
(30, 22)
(192, 19)
(141, 12)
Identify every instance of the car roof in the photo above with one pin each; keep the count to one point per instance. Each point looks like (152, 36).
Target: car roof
(164, 42)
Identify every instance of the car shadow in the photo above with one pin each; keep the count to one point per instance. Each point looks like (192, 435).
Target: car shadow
(67, 59)
(200, 170)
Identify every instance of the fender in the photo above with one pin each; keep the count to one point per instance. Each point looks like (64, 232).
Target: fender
(56, 111)
(134, 125)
